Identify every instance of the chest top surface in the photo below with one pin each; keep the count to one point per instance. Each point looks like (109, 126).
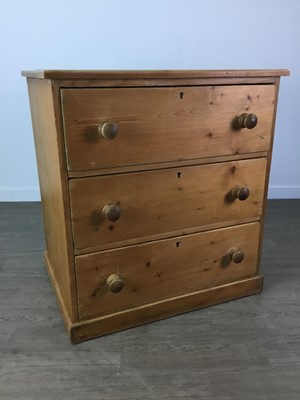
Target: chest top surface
(153, 74)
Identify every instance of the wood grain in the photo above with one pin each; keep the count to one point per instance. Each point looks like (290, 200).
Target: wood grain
(148, 167)
(165, 74)
(163, 201)
(53, 184)
(267, 176)
(156, 82)
(159, 124)
(166, 235)
(163, 269)
(163, 124)
(56, 288)
(165, 308)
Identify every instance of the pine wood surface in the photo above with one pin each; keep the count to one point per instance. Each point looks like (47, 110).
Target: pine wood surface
(53, 184)
(163, 269)
(165, 74)
(161, 82)
(165, 164)
(268, 170)
(163, 124)
(163, 201)
(165, 308)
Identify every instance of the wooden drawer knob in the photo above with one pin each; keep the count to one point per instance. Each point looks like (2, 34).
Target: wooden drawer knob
(248, 121)
(235, 255)
(109, 130)
(115, 283)
(111, 212)
(240, 192)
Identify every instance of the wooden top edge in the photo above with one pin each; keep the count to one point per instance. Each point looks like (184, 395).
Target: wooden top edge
(153, 74)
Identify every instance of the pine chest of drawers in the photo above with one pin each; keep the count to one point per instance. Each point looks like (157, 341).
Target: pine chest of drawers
(153, 186)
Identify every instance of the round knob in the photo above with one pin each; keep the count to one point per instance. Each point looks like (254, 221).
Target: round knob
(111, 212)
(109, 130)
(115, 283)
(248, 121)
(240, 192)
(235, 255)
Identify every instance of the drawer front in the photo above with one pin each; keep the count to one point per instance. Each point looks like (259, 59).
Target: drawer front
(163, 124)
(162, 269)
(162, 201)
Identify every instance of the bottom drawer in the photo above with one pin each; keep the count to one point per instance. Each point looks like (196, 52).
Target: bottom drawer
(115, 280)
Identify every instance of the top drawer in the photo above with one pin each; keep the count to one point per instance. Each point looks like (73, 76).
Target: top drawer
(163, 124)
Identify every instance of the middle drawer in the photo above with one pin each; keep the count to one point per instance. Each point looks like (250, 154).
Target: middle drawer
(116, 209)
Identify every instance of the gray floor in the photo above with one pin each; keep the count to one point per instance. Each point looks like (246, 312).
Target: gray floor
(245, 349)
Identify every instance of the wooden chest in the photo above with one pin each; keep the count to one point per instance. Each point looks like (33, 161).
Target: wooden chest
(153, 186)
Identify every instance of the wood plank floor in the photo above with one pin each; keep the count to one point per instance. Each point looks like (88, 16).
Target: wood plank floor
(243, 350)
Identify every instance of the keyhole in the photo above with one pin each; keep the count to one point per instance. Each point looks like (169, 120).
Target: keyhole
(178, 174)
(178, 244)
(181, 94)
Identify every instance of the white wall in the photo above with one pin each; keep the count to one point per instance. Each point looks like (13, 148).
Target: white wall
(137, 34)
